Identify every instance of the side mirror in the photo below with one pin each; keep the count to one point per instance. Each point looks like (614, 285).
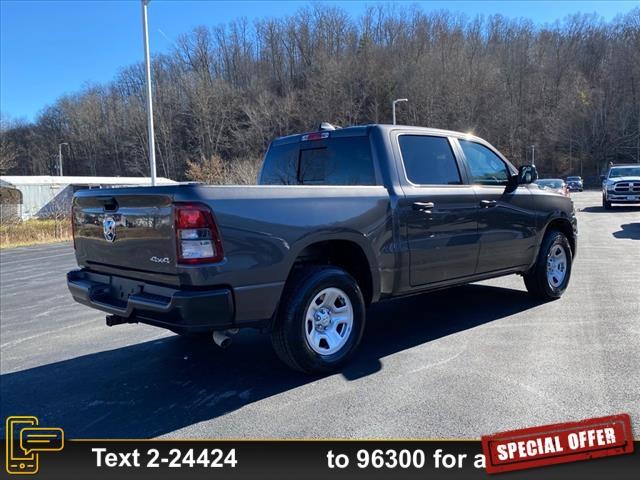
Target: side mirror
(602, 177)
(527, 174)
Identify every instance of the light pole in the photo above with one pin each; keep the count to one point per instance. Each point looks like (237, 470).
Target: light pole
(533, 155)
(393, 105)
(60, 157)
(147, 61)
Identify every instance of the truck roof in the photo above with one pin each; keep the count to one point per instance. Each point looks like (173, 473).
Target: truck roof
(362, 130)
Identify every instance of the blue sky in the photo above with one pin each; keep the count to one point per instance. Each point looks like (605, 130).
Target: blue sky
(49, 48)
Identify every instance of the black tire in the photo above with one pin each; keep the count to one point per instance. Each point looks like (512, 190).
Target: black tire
(536, 279)
(289, 338)
(605, 204)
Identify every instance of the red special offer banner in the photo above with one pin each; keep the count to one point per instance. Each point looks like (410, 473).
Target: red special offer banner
(558, 443)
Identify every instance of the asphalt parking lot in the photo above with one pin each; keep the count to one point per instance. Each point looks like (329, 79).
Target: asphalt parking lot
(452, 364)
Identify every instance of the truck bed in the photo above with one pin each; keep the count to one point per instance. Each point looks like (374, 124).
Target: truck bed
(262, 228)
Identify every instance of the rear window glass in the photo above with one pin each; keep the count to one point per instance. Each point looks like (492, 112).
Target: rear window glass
(334, 161)
(280, 166)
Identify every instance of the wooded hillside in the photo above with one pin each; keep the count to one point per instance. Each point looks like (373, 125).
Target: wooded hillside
(572, 89)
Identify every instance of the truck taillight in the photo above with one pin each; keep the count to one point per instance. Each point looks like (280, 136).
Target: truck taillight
(314, 136)
(197, 236)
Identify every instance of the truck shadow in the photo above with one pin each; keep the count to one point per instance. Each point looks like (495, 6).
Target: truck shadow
(156, 387)
(628, 230)
(614, 209)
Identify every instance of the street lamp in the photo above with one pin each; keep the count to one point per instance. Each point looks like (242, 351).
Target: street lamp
(533, 155)
(60, 157)
(152, 144)
(398, 100)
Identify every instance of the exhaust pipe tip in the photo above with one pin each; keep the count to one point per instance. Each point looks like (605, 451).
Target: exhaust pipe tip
(222, 339)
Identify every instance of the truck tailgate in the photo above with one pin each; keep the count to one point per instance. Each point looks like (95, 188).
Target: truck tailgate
(127, 230)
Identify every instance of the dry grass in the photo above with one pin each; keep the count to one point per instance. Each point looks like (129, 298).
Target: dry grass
(215, 171)
(31, 232)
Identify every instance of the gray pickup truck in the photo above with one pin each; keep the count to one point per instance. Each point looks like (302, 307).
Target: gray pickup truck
(621, 185)
(341, 218)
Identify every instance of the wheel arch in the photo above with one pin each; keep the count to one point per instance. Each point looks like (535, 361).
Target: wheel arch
(562, 224)
(351, 253)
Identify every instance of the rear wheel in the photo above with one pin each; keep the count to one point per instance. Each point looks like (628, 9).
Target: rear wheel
(320, 320)
(549, 277)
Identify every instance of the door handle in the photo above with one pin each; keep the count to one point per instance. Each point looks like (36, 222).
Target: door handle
(488, 203)
(423, 206)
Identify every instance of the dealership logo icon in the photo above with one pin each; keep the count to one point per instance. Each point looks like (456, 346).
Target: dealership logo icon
(109, 229)
(25, 440)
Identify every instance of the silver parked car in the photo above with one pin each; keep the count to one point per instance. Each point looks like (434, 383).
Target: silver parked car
(554, 184)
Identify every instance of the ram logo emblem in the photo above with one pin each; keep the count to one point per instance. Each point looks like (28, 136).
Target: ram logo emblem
(109, 229)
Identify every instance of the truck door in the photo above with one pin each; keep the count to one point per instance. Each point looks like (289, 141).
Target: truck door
(438, 210)
(506, 219)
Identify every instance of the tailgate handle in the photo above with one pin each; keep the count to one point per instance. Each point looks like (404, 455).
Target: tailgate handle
(110, 204)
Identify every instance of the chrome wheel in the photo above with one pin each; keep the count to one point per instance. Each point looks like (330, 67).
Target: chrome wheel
(556, 266)
(328, 321)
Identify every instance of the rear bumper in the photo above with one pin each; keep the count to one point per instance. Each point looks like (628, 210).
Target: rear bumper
(182, 311)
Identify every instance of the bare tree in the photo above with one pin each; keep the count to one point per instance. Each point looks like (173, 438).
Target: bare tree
(8, 149)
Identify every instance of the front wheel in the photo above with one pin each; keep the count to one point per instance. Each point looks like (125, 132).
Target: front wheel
(320, 320)
(605, 204)
(549, 277)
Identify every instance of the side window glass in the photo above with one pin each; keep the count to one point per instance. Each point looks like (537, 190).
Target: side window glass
(486, 167)
(429, 160)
